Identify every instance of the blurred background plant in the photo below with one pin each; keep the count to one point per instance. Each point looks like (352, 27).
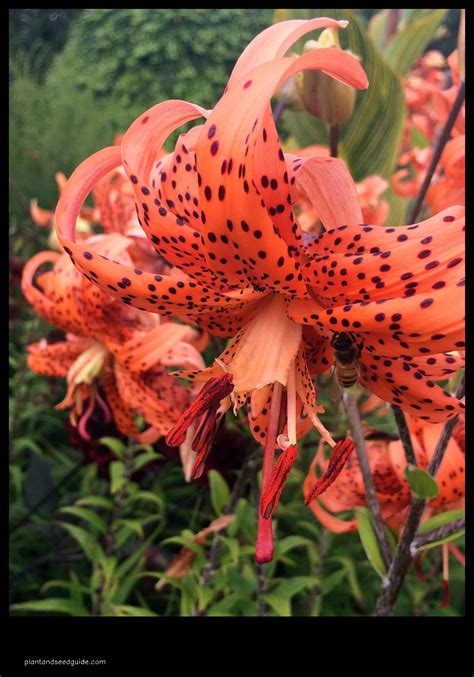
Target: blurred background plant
(94, 526)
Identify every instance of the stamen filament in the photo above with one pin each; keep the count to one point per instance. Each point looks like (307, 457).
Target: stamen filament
(264, 546)
(291, 404)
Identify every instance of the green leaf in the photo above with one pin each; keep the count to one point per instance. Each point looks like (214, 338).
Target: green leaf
(146, 496)
(280, 597)
(128, 610)
(96, 502)
(369, 541)
(440, 520)
(86, 540)
(377, 28)
(133, 561)
(133, 525)
(53, 604)
(418, 139)
(116, 446)
(370, 141)
(117, 476)
(233, 546)
(143, 459)
(88, 516)
(63, 585)
(286, 544)
(224, 606)
(410, 41)
(219, 491)
(351, 573)
(422, 484)
(329, 582)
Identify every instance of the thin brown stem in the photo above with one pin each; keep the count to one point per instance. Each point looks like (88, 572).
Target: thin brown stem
(439, 147)
(437, 534)
(333, 139)
(370, 491)
(405, 436)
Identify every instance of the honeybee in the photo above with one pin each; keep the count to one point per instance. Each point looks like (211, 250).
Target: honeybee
(346, 363)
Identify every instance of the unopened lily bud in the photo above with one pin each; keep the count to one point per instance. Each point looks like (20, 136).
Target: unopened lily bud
(323, 96)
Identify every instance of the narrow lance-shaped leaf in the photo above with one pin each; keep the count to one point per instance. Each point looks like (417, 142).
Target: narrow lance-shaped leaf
(369, 541)
(219, 491)
(408, 43)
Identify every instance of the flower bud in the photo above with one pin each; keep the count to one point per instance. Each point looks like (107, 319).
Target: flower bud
(321, 95)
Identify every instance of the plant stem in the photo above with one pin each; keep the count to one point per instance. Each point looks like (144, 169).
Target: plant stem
(440, 144)
(279, 108)
(314, 596)
(262, 606)
(437, 534)
(370, 491)
(264, 545)
(405, 551)
(333, 139)
(405, 436)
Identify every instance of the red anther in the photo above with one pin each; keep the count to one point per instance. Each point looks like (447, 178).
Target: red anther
(446, 593)
(206, 429)
(264, 546)
(340, 454)
(200, 461)
(283, 466)
(212, 392)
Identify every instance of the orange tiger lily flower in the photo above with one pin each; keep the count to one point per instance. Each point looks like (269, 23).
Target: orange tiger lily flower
(387, 463)
(450, 188)
(443, 99)
(219, 208)
(108, 346)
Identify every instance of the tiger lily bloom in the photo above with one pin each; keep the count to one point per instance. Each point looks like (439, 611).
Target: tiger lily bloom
(116, 350)
(387, 463)
(219, 208)
(450, 188)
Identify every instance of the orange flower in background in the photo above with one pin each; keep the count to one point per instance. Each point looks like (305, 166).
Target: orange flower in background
(443, 99)
(108, 347)
(450, 188)
(369, 191)
(420, 84)
(407, 181)
(220, 209)
(387, 463)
